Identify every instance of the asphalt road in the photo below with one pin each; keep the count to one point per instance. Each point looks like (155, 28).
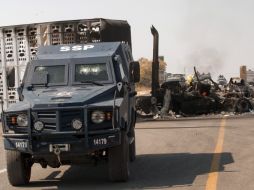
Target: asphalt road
(179, 155)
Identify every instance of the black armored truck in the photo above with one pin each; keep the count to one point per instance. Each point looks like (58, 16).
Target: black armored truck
(76, 99)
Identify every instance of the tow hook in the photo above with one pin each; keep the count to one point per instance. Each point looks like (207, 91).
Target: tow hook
(57, 152)
(57, 149)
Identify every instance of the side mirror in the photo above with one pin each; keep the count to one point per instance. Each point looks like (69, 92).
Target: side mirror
(135, 71)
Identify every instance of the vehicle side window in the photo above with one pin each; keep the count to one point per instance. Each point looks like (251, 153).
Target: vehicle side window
(121, 70)
(127, 56)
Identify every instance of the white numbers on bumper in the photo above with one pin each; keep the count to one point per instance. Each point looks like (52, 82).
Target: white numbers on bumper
(21, 144)
(101, 141)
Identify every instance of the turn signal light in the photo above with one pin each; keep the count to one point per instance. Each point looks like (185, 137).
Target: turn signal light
(13, 120)
(108, 115)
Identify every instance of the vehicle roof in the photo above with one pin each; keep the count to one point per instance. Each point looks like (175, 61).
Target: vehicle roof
(102, 49)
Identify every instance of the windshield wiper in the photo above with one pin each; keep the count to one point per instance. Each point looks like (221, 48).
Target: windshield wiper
(92, 82)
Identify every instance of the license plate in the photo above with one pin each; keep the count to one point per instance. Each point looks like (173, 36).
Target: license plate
(61, 147)
(21, 144)
(100, 141)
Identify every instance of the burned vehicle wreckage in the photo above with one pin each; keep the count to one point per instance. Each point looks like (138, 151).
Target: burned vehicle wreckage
(198, 96)
(201, 96)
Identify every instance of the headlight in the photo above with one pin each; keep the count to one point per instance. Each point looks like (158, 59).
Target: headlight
(38, 126)
(98, 117)
(76, 124)
(22, 120)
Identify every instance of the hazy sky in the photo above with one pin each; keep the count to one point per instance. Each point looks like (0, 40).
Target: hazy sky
(214, 35)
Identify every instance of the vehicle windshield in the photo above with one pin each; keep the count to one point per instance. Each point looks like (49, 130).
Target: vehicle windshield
(91, 72)
(56, 73)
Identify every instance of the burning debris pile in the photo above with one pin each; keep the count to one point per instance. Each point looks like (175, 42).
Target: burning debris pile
(198, 95)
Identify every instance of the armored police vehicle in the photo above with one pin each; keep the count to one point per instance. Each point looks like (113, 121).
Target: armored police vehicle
(76, 99)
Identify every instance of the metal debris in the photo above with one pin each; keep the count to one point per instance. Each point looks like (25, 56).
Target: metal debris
(199, 96)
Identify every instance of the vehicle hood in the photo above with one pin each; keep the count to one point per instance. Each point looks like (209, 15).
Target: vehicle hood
(64, 97)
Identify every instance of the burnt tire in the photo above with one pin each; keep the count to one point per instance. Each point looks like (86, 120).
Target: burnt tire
(118, 161)
(243, 106)
(18, 167)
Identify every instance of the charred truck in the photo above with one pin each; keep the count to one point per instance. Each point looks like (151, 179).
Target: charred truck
(77, 97)
(201, 96)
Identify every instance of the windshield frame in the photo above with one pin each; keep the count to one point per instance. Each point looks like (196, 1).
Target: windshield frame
(98, 60)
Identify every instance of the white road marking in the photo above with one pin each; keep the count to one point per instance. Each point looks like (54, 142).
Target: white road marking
(2, 171)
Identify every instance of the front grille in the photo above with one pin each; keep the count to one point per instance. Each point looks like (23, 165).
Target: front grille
(49, 119)
(58, 120)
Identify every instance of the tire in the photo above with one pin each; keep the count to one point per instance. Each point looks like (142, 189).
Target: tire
(118, 161)
(18, 167)
(243, 106)
(132, 147)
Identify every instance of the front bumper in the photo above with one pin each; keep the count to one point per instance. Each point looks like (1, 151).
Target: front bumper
(81, 142)
(78, 142)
